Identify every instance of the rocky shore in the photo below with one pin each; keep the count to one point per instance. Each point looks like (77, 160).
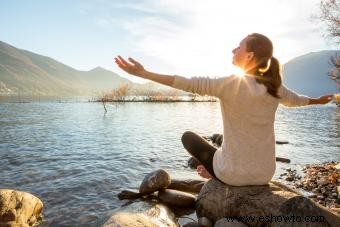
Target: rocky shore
(163, 201)
(320, 181)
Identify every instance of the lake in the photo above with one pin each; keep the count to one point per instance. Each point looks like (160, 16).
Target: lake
(76, 158)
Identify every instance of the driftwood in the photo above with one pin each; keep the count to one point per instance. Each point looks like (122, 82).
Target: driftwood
(188, 185)
(267, 204)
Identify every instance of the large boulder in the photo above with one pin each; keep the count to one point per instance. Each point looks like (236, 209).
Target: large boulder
(19, 208)
(142, 214)
(274, 200)
(155, 181)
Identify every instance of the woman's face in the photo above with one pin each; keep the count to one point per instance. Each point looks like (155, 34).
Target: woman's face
(242, 58)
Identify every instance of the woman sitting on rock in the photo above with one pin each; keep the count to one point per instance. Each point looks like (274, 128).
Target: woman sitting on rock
(248, 104)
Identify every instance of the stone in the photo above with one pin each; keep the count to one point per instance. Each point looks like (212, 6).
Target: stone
(204, 222)
(281, 142)
(155, 181)
(189, 185)
(337, 167)
(193, 163)
(217, 200)
(280, 159)
(142, 214)
(224, 222)
(126, 194)
(18, 208)
(191, 224)
(176, 198)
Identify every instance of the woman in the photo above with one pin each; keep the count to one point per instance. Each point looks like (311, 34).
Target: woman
(248, 104)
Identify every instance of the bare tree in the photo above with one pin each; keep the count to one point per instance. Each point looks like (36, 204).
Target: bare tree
(334, 73)
(330, 15)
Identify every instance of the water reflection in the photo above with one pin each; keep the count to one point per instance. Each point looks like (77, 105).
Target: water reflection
(76, 158)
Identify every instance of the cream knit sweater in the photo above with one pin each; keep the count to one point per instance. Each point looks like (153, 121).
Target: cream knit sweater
(247, 154)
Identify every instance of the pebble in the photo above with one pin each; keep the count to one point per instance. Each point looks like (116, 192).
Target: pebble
(322, 180)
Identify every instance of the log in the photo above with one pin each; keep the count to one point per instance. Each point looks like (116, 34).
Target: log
(217, 200)
(189, 185)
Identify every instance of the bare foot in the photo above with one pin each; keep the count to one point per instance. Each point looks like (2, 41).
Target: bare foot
(203, 172)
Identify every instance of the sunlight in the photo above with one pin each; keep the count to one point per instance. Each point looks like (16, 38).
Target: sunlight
(237, 71)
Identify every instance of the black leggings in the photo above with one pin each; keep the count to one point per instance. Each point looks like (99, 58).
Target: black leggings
(200, 149)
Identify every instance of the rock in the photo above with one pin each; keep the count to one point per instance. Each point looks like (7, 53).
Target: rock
(193, 163)
(176, 198)
(225, 222)
(189, 185)
(142, 214)
(281, 142)
(126, 194)
(155, 181)
(337, 167)
(191, 224)
(285, 160)
(217, 200)
(204, 222)
(19, 208)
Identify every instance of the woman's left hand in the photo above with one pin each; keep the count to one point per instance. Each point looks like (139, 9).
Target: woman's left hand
(325, 99)
(133, 67)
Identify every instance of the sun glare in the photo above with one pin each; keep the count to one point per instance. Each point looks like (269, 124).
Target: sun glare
(238, 72)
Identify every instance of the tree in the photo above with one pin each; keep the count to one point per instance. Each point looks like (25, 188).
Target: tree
(330, 15)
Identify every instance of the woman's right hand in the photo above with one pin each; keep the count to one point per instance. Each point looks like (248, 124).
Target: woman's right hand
(132, 67)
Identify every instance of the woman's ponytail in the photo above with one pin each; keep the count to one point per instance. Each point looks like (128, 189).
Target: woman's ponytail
(268, 70)
(271, 78)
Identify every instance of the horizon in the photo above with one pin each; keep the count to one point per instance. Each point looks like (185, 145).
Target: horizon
(89, 34)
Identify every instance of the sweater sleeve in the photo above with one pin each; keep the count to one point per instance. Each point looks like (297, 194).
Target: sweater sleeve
(204, 85)
(291, 99)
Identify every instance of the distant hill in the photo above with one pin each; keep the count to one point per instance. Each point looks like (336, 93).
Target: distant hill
(308, 74)
(25, 72)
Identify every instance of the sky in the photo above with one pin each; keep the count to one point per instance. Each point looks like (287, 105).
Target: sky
(183, 37)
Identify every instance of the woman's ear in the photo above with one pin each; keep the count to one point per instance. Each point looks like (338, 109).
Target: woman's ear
(250, 56)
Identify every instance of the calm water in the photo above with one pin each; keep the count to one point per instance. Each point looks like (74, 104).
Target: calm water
(76, 158)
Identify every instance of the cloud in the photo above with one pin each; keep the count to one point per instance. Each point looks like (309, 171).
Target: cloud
(197, 36)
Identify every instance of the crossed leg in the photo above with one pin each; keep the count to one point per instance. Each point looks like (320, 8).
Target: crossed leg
(200, 149)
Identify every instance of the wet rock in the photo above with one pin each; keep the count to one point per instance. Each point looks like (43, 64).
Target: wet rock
(155, 181)
(321, 179)
(176, 198)
(217, 139)
(191, 224)
(204, 222)
(19, 208)
(280, 159)
(142, 214)
(189, 185)
(193, 163)
(126, 194)
(291, 175)
(224, 222)
(281, 142)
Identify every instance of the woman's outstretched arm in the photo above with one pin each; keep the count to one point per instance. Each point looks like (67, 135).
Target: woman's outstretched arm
(217, 87)
(135, 68)
(321, 100)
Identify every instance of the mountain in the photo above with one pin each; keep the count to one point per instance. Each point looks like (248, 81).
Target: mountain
(25, 72)
(308, 74)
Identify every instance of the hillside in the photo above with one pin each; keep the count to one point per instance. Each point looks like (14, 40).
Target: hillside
(25, 72)
(308, 74)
